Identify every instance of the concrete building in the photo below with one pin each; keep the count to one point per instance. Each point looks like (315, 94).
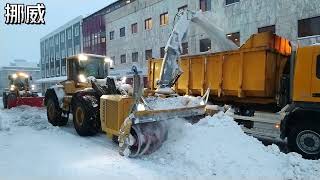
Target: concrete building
(94, 29)
(55, 47)
(18, 65)
(140, 30)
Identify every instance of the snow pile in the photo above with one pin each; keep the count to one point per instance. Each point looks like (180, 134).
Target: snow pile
(216, 146)
(27, 116)
(159, 103)
(4, 126)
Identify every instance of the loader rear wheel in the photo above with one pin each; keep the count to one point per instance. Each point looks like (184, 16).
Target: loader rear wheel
(54, 113)
(4, 100)
(85, 118)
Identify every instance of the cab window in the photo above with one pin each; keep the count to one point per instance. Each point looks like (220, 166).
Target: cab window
(318, 67)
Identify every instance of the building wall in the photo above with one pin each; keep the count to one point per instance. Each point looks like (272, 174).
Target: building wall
(59, 44)
(245, 17)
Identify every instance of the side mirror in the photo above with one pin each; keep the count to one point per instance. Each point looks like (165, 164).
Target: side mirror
(10, 77)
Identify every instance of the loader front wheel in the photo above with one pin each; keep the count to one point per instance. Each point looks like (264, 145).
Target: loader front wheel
(11, 100)
(84, 118)
(54, 113)
(305, 140)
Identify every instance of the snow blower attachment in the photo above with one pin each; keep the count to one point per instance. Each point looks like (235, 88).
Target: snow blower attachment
(21, 92)
(140, 129)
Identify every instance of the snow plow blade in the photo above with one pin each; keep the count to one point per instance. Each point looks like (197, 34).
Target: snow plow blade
(143, 132)
(26, 101)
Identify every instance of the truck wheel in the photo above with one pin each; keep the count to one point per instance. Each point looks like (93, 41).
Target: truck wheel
(4, 100)
(54, 113)
(305, 141)
(84, 118)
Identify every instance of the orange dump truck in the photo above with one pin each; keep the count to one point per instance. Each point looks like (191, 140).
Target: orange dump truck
(275, 90)
(251, 74)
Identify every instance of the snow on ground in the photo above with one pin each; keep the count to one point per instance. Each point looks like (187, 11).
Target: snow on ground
(214, 148)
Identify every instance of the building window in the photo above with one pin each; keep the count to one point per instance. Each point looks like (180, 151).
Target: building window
(70, 51)
(99, 38)
(51, 42)
(309, 27)
(77, 49)
(69, 34)
(103, 39)
(62, 37)
(183, 8)
(231, 1)
(113, 58)
(267, 29)
(111, 34)
(162, 52)
(57, 40)
(52, 72)
(164, 19)
(123, 59)
(48, 72)
(58, 71)
(205, 5)
(205, 45)
(148, 24)
(235, 37)
(63, 53)
(76, 31)
(185, 48)
(63, 70)
(135, 56)
(92, 39)
(134, 28)
(148, 54)
(57, 55)
(122, 32)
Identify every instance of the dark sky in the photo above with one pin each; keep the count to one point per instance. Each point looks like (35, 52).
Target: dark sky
(23, 41)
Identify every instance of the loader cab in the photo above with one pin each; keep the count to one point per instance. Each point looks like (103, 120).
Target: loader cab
(19, 82)
(84, 66)
(306, 82)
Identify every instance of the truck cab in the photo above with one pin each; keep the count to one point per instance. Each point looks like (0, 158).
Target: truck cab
(301, 125)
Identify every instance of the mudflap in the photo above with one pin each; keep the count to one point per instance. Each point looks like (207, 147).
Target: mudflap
(26, 101)
(144, 132)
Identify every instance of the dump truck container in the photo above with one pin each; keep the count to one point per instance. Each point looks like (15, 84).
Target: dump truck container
(253, 71)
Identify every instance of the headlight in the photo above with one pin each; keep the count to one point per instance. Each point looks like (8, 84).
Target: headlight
(141, 107)
(110, 61)
(82, 78)
(124, 80)
(12, 87)
(33, 87)
(14, 76)
(82, 57)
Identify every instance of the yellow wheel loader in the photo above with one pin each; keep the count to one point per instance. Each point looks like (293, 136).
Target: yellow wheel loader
(98, 105)
(21, 92)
